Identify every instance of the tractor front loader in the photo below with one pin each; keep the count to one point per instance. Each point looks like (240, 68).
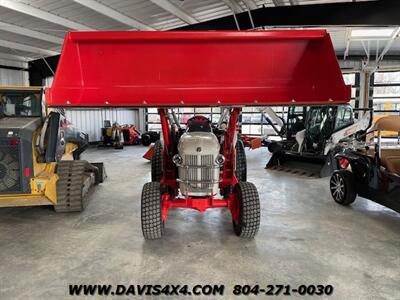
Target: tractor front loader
(39, 155)
(199, 167)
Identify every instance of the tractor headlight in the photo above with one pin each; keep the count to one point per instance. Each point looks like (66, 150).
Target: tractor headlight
(177, 159)
(220, 159)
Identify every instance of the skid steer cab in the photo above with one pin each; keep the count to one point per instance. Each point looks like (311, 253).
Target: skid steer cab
(312, 135)
(40, 155)
(199, 167)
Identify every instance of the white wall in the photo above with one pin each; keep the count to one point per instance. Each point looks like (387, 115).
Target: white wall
(91, 120)
(14, 77)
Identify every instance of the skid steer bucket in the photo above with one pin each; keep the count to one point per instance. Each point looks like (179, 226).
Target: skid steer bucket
(161, 69)
(302, 164)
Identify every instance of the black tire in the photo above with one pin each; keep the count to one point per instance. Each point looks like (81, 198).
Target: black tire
(248, 223)
(241, 162)
(146, 139)
(343, 187)
(152, 223)
(156, 162)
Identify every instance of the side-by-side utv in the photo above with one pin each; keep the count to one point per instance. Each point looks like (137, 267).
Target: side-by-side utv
(372, 171)
(312, 135)
(39, 155)
(199, 164)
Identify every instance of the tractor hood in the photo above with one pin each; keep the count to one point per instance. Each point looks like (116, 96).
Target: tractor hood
(201, 68)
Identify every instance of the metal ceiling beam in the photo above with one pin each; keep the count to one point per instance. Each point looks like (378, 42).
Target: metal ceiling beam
(233, 5)
(250, 4)
(113, 14)
(14, 57)
(176, 11)
(276, 2)
(27, 48)
(365, 13)
(13, 65)
(30, 33)
(41, 14)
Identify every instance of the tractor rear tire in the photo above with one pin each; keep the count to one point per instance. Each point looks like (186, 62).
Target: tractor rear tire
(156, 162)
(248, 223)
(343, 187)
(241, 162)
(152, 222)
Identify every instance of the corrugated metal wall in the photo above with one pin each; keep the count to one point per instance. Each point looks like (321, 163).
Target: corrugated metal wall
(13, 77)
(91, 120)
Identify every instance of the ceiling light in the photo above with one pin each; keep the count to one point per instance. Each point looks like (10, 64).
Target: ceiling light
(372, 33)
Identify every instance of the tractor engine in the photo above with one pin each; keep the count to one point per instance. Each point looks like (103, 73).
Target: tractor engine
(199, 160)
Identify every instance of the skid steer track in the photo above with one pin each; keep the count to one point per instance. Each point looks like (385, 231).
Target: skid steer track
(72, 186)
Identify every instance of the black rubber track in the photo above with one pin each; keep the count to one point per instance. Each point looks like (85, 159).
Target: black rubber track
(69, 186)
(152, 223)
(249, 218)
(156, 162)
(241, 162)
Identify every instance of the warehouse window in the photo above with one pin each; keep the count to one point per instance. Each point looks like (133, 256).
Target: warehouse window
(183, 114)
(386, 100)
(252, 121)
(353, 80)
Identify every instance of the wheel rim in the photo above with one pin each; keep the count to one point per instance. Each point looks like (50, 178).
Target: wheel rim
(337, 187)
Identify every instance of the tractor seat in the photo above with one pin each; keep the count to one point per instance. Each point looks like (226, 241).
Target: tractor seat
(390, 159)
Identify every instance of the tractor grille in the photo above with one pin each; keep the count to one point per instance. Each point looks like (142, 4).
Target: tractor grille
(10, 171)
(197, 173)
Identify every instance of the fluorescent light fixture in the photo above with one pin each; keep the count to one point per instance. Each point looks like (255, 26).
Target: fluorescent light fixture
(372, 33)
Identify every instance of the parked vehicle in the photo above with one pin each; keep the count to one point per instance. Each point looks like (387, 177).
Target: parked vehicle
(372, 172)
(312, 135)
(111, 135)
(40, 154)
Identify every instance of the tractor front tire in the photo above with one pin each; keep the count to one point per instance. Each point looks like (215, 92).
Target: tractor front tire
(151, 216)
(156, 162)
(248, 223)
(241, 163)
(343, 187)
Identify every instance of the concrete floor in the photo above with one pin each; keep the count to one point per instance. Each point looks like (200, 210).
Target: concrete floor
(305, 238)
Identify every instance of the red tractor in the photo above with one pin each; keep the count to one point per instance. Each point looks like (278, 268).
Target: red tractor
(200, 166)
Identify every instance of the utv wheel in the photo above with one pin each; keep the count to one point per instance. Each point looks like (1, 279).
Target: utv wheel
(241, 163)
(249, 210)
(342, 186)
(156, 162)
(152, 223)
